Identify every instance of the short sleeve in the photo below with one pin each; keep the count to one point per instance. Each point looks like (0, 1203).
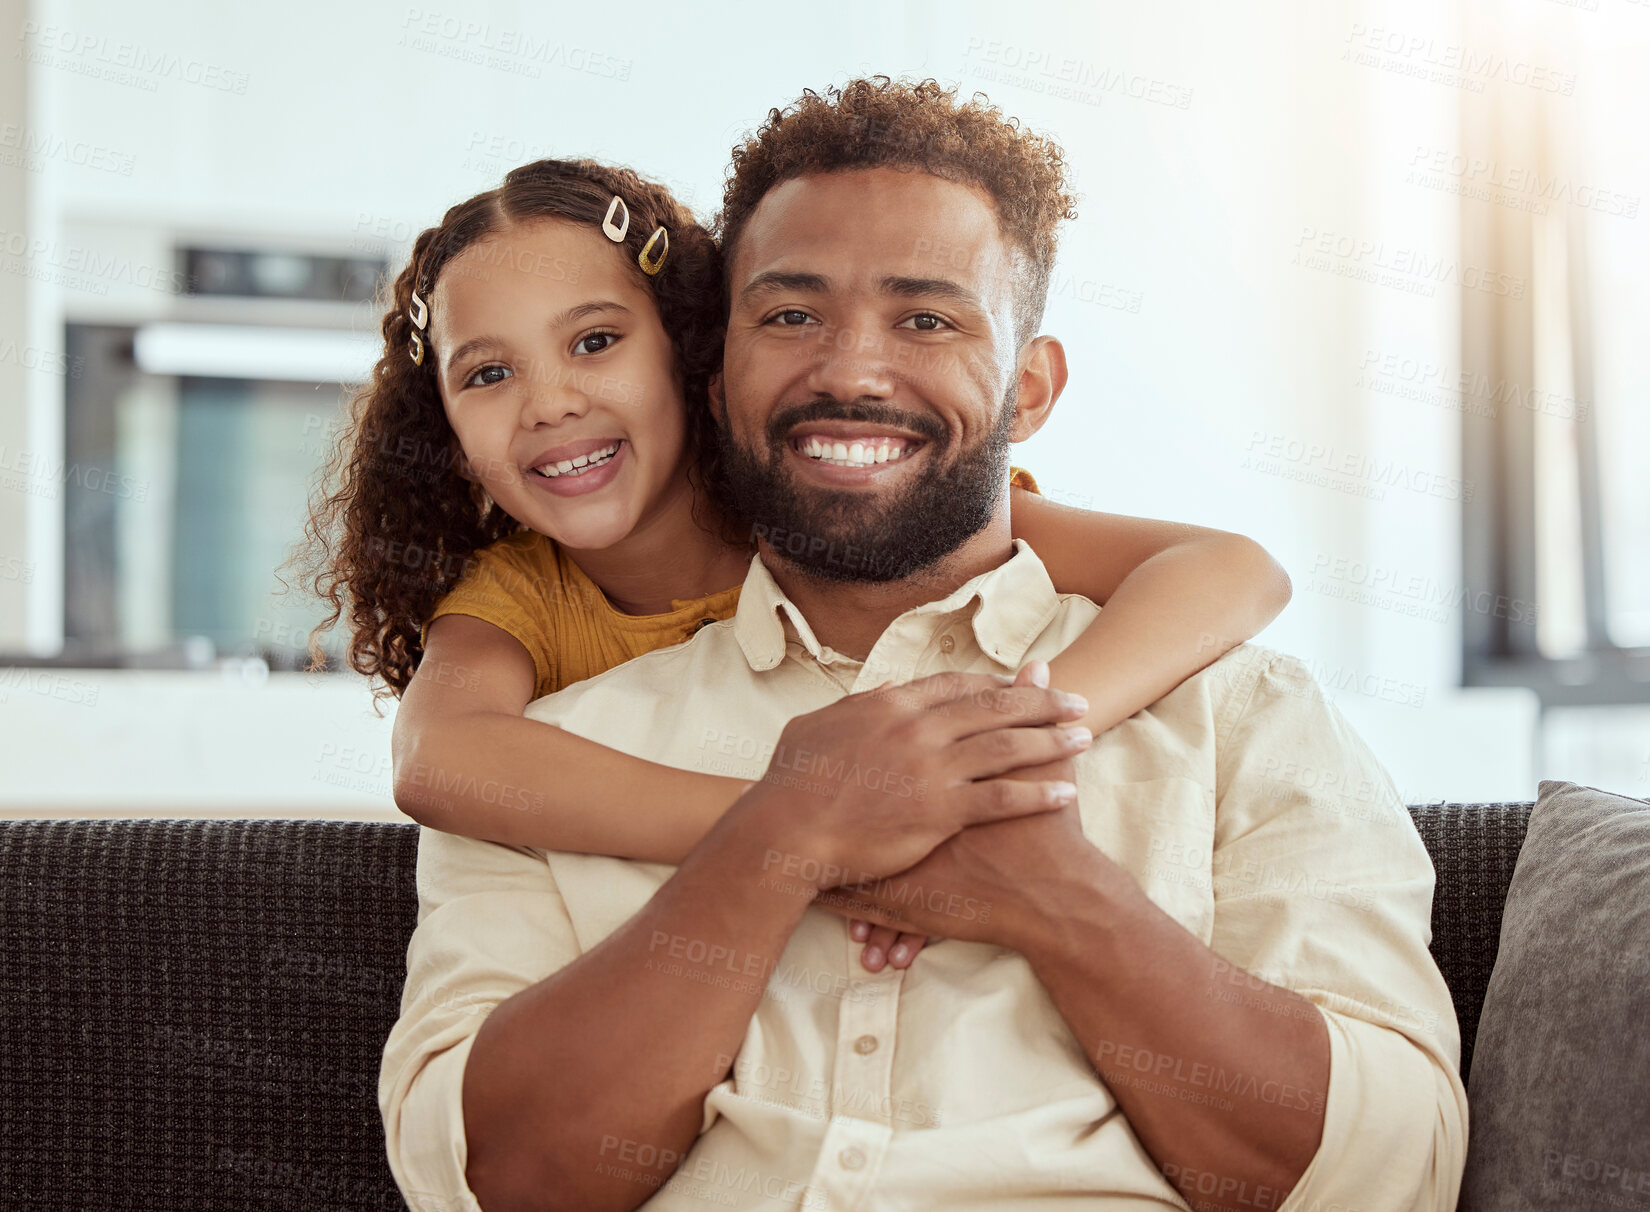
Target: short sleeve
(1019, 477)
(509, 585)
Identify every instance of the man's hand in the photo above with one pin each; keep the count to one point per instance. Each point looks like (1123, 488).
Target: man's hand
(970, 886)
(871, 784)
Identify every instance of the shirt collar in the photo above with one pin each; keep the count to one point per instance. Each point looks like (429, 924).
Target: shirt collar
(1016, 601)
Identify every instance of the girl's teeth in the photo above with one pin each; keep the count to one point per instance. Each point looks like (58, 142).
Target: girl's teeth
(595, 459)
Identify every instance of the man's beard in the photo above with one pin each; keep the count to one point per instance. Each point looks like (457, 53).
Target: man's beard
(851, 534)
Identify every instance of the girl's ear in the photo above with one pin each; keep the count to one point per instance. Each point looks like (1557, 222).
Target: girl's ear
(461, 464)
(717, 403)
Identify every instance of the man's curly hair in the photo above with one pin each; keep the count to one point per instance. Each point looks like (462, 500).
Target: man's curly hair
(393, 525)
(884, 123)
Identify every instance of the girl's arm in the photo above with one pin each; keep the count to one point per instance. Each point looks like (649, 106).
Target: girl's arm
(467, 761)
(1176, 597)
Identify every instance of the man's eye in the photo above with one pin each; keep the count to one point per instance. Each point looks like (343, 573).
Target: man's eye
(926, 321)
(488, 375)
(790, 319)
(595, 342)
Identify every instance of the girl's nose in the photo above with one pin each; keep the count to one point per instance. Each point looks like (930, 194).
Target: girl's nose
(553, 394)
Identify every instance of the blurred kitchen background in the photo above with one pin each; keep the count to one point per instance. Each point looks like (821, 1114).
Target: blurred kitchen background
(1367, 281)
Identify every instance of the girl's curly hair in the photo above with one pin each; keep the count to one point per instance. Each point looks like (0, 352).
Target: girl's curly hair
(393, 524)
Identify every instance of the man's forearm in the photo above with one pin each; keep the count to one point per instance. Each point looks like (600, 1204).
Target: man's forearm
(585, 1090)
(1223, 1076)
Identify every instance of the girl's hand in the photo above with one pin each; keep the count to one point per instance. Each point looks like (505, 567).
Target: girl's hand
(885, 945)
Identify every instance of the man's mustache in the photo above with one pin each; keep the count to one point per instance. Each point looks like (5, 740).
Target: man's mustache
(874, 412)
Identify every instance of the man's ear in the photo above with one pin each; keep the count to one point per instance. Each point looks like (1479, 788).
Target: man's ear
(1042, 379)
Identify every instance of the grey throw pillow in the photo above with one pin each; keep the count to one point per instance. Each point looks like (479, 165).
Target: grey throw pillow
(1560, 1085)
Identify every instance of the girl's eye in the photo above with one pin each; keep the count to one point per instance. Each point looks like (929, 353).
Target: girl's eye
(489, 375)
(926, 321)
(602, 340)
(790, 319)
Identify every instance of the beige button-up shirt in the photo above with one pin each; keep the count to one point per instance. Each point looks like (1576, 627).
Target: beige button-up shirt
(1241, 801)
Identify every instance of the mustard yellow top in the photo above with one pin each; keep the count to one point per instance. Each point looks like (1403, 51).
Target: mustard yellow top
(527, 585)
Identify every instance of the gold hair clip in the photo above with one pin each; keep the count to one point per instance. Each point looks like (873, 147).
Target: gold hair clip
(654, 266)
(616, 232)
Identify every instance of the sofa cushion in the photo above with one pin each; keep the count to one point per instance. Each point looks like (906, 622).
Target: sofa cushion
(1560, 1088)
(194, 1012)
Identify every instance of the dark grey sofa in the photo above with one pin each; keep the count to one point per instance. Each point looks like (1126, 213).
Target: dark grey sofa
(192, 1011)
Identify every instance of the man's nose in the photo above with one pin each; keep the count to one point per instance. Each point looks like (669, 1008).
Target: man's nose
(850, 363)
(553, 394)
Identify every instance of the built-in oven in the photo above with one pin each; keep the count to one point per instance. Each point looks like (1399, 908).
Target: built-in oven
(192, 440)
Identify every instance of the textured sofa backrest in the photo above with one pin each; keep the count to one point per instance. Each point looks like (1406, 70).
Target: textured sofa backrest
(192, 1011)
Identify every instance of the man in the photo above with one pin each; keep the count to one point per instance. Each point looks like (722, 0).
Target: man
(1202, 982)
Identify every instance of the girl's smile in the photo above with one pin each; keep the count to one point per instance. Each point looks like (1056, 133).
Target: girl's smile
(571, 475)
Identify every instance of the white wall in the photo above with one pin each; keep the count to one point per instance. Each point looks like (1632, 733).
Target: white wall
(1231, 161)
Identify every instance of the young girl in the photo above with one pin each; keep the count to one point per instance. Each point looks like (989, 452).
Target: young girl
(525, 498)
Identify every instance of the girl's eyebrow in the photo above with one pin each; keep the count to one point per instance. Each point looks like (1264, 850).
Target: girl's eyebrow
(576, 312)
(469, 347)
(582, 310)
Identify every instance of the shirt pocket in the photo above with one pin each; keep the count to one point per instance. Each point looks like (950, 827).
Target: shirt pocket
(1162, 832)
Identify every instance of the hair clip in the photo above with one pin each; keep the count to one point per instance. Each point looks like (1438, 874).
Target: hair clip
(654, 266)
(419, 314)
(616, 233)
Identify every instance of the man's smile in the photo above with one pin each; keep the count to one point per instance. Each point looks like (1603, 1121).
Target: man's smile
(852, 452)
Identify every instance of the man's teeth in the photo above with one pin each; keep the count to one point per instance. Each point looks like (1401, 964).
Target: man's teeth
(585, 461)
(856, 453)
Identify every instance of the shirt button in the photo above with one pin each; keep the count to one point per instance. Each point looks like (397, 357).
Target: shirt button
(865, 1045)
(947, 643)
(852, 1158)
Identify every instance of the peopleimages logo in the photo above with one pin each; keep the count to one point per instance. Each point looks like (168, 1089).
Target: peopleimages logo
(1516, 186)
(1048, 70)
(1410, 270)
(34, 475)
(98, 268)
(1448, 63)
(1327, 466)
(128, 63)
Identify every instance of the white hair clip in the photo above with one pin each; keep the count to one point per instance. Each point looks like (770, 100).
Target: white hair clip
(616, 232)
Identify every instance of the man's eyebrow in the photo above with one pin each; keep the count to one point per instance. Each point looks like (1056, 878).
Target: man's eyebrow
(776, 281)
(577, 312)
(932, 288)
